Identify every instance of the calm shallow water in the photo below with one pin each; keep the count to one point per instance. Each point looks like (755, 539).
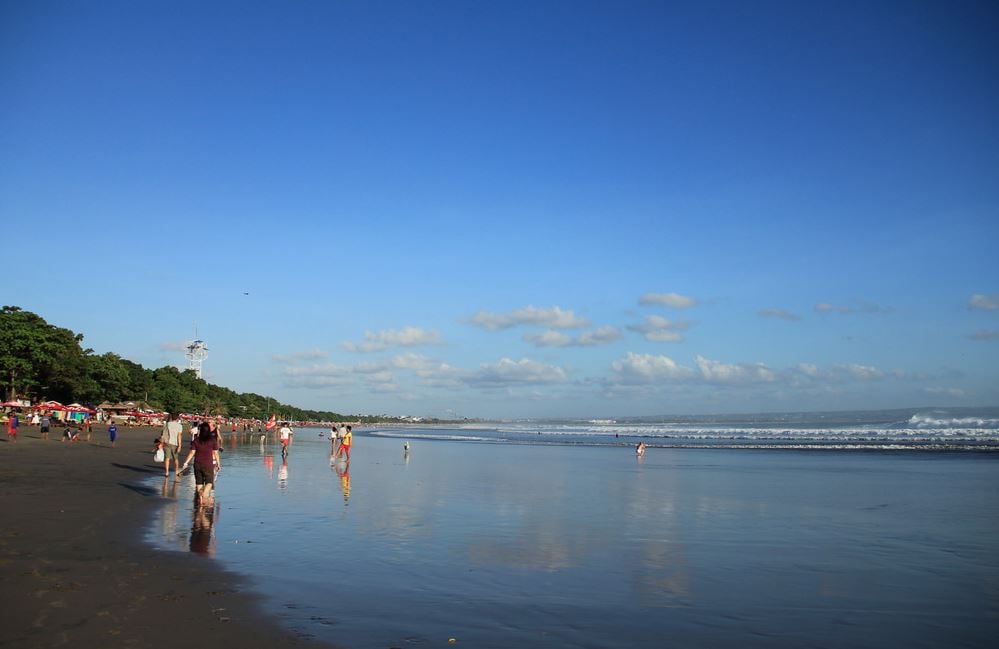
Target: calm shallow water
(566, 546)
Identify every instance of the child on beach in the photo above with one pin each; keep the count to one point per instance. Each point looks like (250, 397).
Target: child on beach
(12, 428)
(112, 433)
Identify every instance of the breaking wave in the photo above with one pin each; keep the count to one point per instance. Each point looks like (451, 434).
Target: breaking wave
(927, 429)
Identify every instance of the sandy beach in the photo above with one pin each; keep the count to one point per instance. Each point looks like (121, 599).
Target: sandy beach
(75, 571)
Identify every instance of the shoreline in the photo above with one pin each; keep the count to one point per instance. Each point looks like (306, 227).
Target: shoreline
(75, 568)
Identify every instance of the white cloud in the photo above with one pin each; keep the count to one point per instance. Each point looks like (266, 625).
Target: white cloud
(412, 361)
(842, 373)
(316, 369)
(649, 370)
(808, 369)
(600, 336)
(432, 373)
(984, 302)
(382, 340)
(551, 338)
(369, 368)
(729, 373)
(860, 372)
(316, 375)
(858, 308)
(660, 330)
(779, 313)
(638, 369)
(674, 300)
(554, 317)
(379, 377)
(507, 372)
(985, 334)
(173, 346)
(295, 357)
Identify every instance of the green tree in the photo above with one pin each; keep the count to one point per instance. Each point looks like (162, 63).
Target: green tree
(107, 378)
(41, 360)
(36, 358)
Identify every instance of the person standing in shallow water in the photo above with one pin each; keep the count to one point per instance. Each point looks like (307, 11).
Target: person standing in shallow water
(286, 436)
(205, 453)
(171, 436)
(348, 439)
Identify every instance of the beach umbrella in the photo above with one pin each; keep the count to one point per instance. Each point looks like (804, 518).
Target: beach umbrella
(10, 404)
(78, 408)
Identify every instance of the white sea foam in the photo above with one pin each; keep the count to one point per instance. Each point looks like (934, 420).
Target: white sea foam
(930, 421)
(926, 429)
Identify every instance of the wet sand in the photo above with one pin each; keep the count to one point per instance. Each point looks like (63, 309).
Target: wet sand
(74, 570)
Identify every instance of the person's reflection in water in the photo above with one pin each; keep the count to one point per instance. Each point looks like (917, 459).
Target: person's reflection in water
(202, 538)
(343, 471)
(169, 488)
(269, 465)
(283, 472)
(168, 513)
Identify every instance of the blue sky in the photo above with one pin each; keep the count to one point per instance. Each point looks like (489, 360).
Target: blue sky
(521, 209)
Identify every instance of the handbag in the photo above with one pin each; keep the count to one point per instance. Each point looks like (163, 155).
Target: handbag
(159, 456)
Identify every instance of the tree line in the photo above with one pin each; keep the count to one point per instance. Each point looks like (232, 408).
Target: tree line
(42, 361)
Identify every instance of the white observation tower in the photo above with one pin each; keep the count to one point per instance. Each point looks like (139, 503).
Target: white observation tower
(197, 352)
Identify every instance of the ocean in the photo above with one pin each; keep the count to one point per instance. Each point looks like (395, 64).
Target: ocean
(853, 530)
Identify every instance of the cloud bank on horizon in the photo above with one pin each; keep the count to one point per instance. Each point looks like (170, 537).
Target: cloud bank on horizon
(572, 210)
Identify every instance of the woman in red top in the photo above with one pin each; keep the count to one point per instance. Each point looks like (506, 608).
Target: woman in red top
(205, 451)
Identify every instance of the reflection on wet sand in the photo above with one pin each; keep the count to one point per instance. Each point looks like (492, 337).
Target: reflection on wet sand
(343, 472)
(283, 472)
(202, 538)
(660, 575)
(167, 518)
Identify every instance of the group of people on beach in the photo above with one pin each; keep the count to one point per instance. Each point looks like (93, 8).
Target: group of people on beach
(341, 438)
(205, 452)
(72, 431)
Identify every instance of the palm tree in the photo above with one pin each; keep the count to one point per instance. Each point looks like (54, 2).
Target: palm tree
(214, 407)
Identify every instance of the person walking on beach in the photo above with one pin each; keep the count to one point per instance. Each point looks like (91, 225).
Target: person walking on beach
(348, 439)
(286, 434)
(334, 439)
(45, 422)
(112, 433)
(205, 453)
(88, 426)
(12, 427)
(172, 432)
